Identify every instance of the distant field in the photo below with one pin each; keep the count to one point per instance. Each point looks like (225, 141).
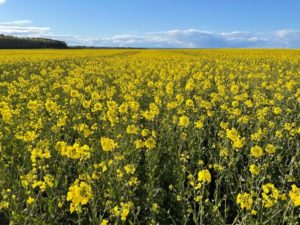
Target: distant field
(150, 137)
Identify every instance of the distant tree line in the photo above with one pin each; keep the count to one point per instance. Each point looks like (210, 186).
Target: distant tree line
(102, 47)
(11, 42)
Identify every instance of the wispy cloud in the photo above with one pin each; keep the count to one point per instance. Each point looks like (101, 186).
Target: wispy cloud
(16, 22)
(22, 28)
(195, 38)
(185, 38)
(2, 2)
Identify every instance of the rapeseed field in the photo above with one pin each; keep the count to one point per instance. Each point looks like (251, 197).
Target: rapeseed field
(150, 137)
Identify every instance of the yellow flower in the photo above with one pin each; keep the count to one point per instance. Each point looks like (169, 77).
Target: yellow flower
(198, 198)
(97, 107)
(183, 135)
(129, 168)
(172, 105)
(255, 170)
(253, 212)
(108, 144)
(74, 152)
(132, 129)
(30, 200)
(224, 125)
(189, 103)
(257, 136)
(79, 194)
(204, 176)
(150, 143)
(74, 93)
(244, 200)
(125, 210)
(133, 181)
(248, 103)
(50, 105)
(239, 143)
(190, 85)
(4, 205)
(154, 207)
(139, 143)
(123, 108)
(235, 103)
(295, 195)
(33, 105)
(30, 136)
(199, 124)
(232, 134)
(86, 104)
(270, 149)
(256, 151)
(270, 195)
(223, 152)
(184, 121)
(116, 211)
(277, 110)
(145, 132)
(104, 222)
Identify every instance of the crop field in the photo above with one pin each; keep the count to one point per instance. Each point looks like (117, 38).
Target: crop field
(156, 137)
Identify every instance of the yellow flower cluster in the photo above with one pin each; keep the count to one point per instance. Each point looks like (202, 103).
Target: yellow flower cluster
(244, 200)
(73, 152)
(234, 136)
(269, 195)
(79, 194)
(204, 176)
(295, 195)
(108, 144)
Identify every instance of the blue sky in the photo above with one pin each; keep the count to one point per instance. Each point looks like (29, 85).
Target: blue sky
(156, 23)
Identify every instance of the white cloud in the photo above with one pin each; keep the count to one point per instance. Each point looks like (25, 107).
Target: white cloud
(186, 38)
(194, 38)
(290, 38)
(16, 22)
(2, 2)
(22, 28)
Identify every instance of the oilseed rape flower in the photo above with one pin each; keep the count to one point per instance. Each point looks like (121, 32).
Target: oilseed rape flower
(244, 200)
(104, 222)
(204, 176)
(50, 105)
(270, 195)
(145, 132)
(277, 110)
(139, 144)
(132, 129)
(295, 195)
(150, 143)
(30, 200)
(108, 144)
(30, 136)
(184, 121)
(129, 168)
(79, 194)
(254, 169)
(256, 151)
(199, 124)
(234, 136)
(74, 152)
(124, 213)
(238, 143)
(33, 105)
(270, 149)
